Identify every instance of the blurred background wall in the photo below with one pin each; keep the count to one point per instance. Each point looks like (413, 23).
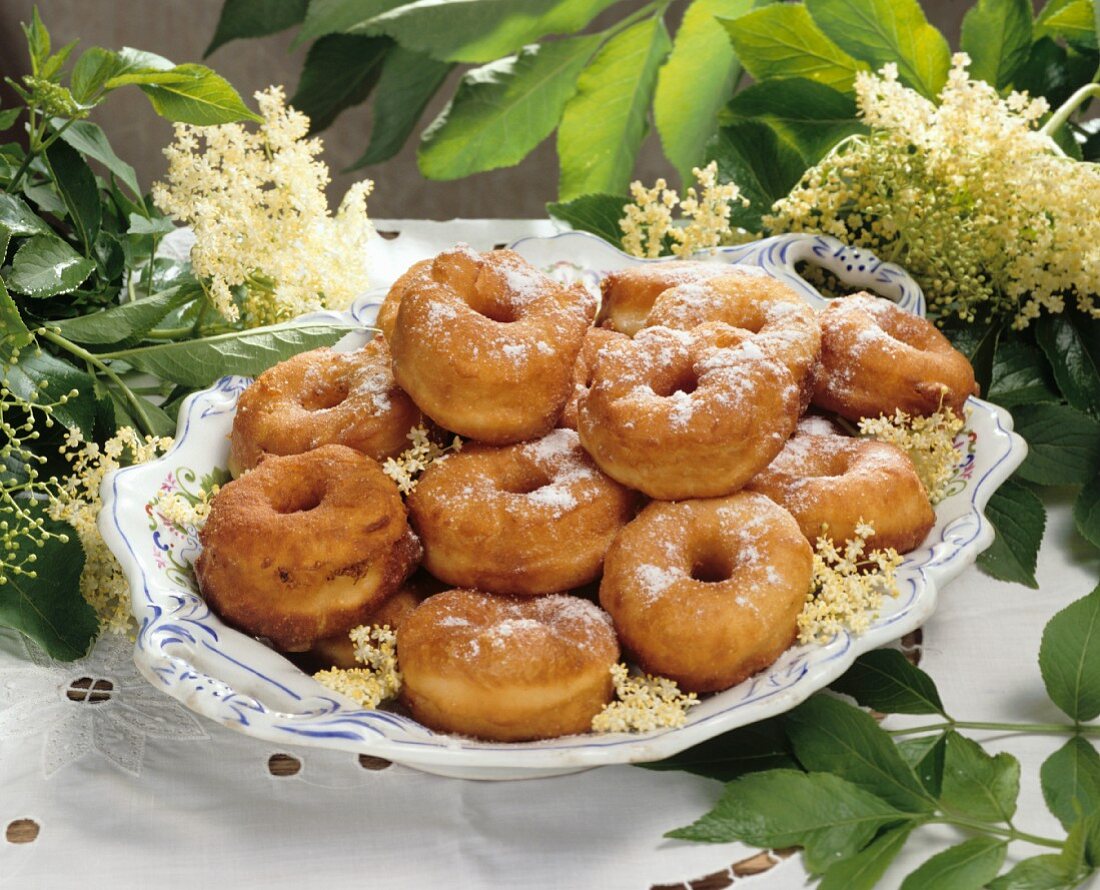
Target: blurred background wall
(181, 30)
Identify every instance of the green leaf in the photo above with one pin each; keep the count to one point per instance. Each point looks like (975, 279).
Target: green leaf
(91, 72)
(38, 41)
(1063, 444)
(198, 363)
(157, 225)
(883, 31)
(829, 735)
(334, 16)
(808, 116)
(76, 184)
(966, 866)
(1049, 871)
(500, 112)
(138, 61)
(159, 423)
(978, 342)
(976, 784)
(1071, 344)
(1069, 657)
(862, 870)
(598, 214)
(53, 63)
(9, 117)
(830, 818)
(123, 322)
(1054, 72)
(925, 756)
(90, 140)
(204, 98)
(15, 332)
(1021, 376)
(885, 680)
(783, 41)
(18, 218)
(339, 73)
(1071, 19)
(605, 122)
(1071, 781)
(750, 749)
(695, 81)
(1086, 512)
(1018, 519)
(997, 36)
(45, 266)
(255, 18)
(41, 376)
(479, 31)
(406, 85)
(49, 608)
(766, 169)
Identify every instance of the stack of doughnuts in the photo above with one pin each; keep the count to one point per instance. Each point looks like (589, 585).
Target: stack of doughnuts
(655, 459)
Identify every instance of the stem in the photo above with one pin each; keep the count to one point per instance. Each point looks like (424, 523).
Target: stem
(1021, 728)
(1068, 107)
(170, 333)
(1010, 833)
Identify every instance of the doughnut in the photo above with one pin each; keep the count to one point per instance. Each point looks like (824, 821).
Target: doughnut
(485, 344)
(707, 592)
(627, 295)
(522, 519)
(686, 414)
(305, 546)
(387, 312)
(594, 341)
(504, 668)
(830, 483)
(783, 323)
(323, 397)
(876, 358)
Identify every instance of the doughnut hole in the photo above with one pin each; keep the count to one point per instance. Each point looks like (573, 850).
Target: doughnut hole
(327, 395)
(301, 495)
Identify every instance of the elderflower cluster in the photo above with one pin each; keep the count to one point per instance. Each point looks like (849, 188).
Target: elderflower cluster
(256, 202)
(704, 218)
(406, 468)
(644, 703)
(379, 679)
(929, 442)
(847, 586)
(981, 207)
(77, 502)
(187, 511)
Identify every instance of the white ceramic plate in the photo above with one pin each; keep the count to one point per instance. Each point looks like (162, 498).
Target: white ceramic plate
(185, 650)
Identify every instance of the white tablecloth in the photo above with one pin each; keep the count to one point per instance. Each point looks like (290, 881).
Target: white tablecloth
(133, 791)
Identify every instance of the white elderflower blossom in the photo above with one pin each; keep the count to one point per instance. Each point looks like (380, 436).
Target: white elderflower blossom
(644, 703)
(379, 678)
(929, 442)
(256, 202)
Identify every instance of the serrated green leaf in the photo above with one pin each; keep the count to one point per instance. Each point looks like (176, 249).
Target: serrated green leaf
(38, 41)
(336, 16)
(132, 59)
(783, 41)
(1071, 343)
(49, 608)
(862, 870)
(888, 31)
(750, 749)
(1046, 872)
(18, 218)
(1069, 657)
(91, 141)
(829, 818)
(41, 376)
(45, 266)
(123, 322)
(75, 184)
(1063, 444)
(501, 111)
(978, 342)
(831, 736)
(1018, 519)
(997, 36)
(598, 214)
(1086, 512)
(925, 756)
(1071, 19)
(695, 81)
(765, 168)
(1020, 376)
(152, 417)
(1071, 781)
(54, 62)
(91, 72)
(809, 116)
(604, 123)
(204, 98)
(156, 225)
(15, 332)
(406, 85)
(255, 18)
(966, 866)
(199, 363)
(976, 784)
(885, 680)
(9, 117)
(339, 72)
(1053, 71)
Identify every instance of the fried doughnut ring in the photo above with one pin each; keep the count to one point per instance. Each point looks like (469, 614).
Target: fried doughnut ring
(323, 397)
(707, 592)
(831, 483)
(681, 414)
(387, 312)
(628, 294)
(876, 358)
(594, 341)
(523, 519)
(485, 344)
(504, 668)
(305, 546)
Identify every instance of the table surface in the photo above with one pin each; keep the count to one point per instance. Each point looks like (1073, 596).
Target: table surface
(107, 781)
